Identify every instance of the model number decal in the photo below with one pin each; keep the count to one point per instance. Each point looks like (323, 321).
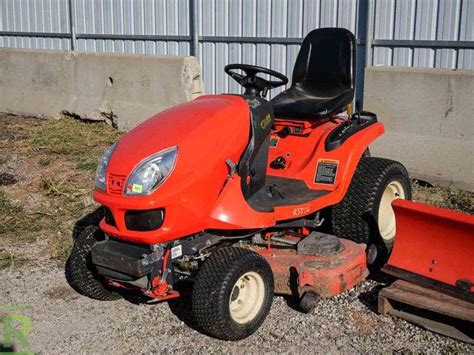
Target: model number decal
(326, 171)
(301, 211)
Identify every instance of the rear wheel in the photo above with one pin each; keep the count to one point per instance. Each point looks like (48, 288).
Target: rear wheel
(385, 215)
(232, 293)
(365, 215)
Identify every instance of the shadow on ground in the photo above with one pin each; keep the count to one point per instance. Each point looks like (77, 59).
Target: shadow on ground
(369, 298)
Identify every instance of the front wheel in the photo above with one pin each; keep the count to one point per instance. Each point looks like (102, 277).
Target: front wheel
(365, 215)
(80, 274)
(232, 293)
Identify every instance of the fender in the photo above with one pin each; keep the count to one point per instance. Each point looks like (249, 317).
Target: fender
(232, 210)
(347, 157)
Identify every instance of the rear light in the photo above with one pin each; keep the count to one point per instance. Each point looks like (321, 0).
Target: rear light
(143, 221)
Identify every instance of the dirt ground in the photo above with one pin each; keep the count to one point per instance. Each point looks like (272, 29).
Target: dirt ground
(46, 177)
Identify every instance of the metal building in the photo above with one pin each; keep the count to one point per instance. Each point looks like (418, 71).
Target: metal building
(421, 33)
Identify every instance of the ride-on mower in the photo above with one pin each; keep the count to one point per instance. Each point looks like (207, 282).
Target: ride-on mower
(236, 198)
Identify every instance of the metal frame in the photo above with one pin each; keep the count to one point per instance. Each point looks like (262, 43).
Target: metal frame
(35, 34)
(72, 23)
(123, 37)
(194, 27)
(369, 31)
(252, 40)
(434, 44)
(422, 44)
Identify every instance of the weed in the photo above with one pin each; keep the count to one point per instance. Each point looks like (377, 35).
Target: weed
(60, 248)
(87, 164)
(6, 259)
(9, 260)
(5, 203)
(70, 137)
(51, 187)
(16, 223)
(44, 162)
(451, 198)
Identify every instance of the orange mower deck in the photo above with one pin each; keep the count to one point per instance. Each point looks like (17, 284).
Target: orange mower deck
(327, 275)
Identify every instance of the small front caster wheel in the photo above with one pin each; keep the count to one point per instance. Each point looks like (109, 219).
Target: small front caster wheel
(308, 301)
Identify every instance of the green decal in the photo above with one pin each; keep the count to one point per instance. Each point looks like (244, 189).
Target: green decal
(137, 188)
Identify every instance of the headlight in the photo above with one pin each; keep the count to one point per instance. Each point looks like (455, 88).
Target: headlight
(100, 175)
(151, 172)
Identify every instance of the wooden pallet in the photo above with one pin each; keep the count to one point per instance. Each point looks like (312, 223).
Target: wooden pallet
(429, 309)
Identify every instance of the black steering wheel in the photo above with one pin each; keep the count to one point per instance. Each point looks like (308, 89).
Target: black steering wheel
(253, 84)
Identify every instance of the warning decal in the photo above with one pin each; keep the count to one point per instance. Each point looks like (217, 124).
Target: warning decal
(176, 251)
(326, 171)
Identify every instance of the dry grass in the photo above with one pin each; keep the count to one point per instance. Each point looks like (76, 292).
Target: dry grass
(53, 162)
(47, 176)
(454, 199)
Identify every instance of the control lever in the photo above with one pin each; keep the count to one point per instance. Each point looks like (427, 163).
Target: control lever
(278, 163)
(358, 108)
(285, 131)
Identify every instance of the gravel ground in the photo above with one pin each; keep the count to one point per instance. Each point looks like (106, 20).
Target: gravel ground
(65, 322)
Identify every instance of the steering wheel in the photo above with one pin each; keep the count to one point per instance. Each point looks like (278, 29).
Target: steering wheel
(253, 84)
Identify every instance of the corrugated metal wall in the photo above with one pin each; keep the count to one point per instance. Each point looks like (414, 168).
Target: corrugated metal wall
(128, 17)
(443, 20)
(440, 20)
(34, 16)
(261, 19)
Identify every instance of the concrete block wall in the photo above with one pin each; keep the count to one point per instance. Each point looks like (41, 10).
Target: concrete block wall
(429, 121)
(124, 89)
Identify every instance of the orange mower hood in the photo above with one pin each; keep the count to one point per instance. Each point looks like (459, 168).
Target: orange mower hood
(207, 132)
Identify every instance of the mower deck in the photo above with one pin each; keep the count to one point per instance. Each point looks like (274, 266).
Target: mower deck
(327, 273)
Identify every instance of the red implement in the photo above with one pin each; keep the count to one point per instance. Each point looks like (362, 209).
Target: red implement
(434, 247)
(327, 275)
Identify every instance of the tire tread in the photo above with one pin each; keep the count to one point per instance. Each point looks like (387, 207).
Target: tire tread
(78, 272)
(210, 287)
(349, 217)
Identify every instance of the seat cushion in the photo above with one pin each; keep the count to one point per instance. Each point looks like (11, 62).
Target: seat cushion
(298, 103)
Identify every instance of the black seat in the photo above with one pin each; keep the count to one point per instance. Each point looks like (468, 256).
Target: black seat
(323, 77)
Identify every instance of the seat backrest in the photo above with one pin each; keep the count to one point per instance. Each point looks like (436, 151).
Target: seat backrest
(326, 62)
